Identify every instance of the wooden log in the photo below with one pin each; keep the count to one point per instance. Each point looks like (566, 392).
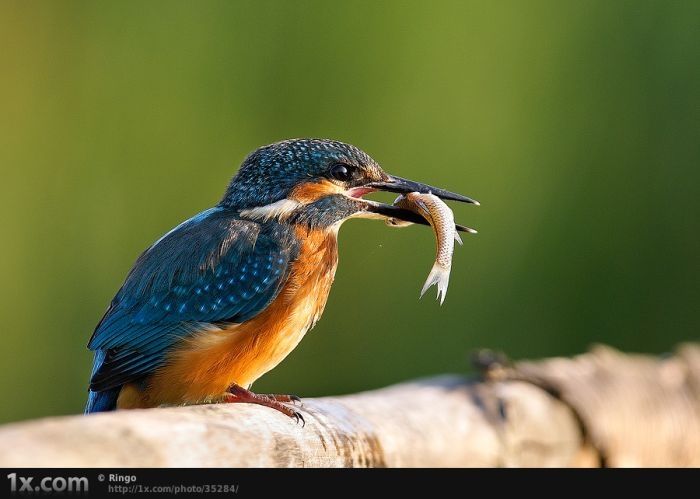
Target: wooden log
(602, 407)
(636, 410)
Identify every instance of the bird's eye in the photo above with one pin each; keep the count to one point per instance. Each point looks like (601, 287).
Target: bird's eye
(341, 172)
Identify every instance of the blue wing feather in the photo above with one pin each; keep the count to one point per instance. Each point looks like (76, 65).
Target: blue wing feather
(212, 269)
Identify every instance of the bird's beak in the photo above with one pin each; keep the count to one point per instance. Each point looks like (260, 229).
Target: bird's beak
(404, 186)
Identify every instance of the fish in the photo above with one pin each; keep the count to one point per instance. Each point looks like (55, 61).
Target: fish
(441, 219)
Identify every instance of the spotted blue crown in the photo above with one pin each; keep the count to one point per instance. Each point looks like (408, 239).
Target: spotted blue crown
(269, 173)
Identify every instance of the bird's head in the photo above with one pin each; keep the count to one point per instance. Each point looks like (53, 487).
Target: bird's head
(319, 183)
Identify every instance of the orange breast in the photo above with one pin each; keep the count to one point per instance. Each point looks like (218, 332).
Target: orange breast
(205, 365)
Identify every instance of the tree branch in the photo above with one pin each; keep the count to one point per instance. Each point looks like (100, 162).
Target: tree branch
(603, 407)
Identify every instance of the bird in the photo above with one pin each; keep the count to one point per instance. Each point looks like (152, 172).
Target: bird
(226, 295)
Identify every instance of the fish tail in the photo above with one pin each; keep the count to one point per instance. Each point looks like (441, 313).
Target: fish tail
(438, 275)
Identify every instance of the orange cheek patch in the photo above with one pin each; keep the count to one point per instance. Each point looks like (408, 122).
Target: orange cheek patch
(312, 191)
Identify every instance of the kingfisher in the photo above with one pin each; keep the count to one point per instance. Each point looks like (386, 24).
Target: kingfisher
(225, 296)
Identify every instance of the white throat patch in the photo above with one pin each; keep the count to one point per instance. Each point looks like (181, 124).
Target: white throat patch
(280, 210)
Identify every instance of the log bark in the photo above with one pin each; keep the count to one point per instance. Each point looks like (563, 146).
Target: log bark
(599, 408)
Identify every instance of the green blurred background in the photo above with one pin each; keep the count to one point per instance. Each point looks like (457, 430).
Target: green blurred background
(576, 124)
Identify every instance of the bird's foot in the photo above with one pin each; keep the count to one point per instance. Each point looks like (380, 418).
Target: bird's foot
(239, 395)
(286, 399)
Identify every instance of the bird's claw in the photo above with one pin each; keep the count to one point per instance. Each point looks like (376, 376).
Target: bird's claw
(286, 399)
(298, 418)
(274, 401)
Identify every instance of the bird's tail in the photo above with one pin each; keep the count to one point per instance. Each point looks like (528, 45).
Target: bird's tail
(438, 275)
(102, 401)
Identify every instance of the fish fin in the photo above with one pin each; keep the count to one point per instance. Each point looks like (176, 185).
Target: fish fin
(421, 204)
(440, 276)
(458, 238)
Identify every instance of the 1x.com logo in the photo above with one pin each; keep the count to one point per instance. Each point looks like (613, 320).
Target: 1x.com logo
(47, 484)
